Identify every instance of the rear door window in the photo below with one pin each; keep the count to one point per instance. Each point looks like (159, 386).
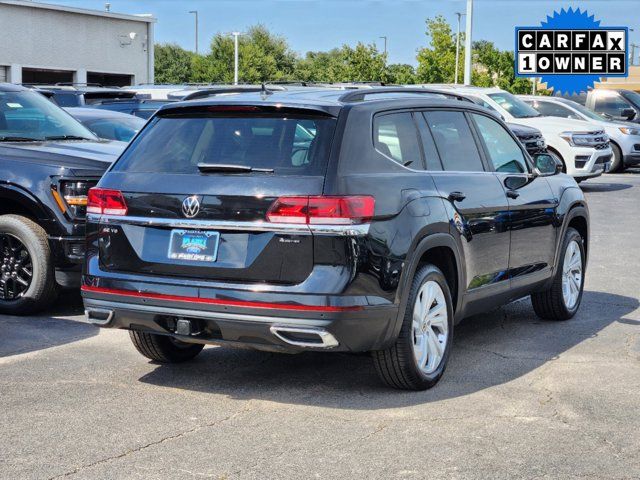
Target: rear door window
(454, 141)
(396, 137)
(288, 144)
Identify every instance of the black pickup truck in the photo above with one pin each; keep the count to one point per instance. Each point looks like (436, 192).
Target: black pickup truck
(48, 161)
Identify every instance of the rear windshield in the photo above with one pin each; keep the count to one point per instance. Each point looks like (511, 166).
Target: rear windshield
(288, 144)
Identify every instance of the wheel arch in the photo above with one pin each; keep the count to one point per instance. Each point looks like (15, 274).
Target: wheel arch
(441, 250)
(20, 202)
(577, 217)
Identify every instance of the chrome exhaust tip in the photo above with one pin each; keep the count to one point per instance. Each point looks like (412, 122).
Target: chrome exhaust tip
(99, 316)
(308, 337)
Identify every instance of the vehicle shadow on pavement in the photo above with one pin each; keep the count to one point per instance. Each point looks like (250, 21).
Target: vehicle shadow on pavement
(604, 187)
(489, 350)
(37, 332)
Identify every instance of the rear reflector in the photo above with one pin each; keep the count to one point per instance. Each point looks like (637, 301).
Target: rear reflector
(106, 202)
(217, 301)
(347, 210)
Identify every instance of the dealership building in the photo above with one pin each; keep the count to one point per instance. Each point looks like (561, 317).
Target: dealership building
(44, 43)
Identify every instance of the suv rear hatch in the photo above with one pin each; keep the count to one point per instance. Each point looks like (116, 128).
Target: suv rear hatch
(198, 184)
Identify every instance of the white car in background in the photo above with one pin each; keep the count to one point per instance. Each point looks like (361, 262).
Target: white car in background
(582, 147)
(624, 136)
(154, 92)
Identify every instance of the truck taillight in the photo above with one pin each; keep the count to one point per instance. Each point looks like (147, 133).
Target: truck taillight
(106, 202)
(324, 210)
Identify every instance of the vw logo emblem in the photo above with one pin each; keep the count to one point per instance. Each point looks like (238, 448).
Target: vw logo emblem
(191, 206)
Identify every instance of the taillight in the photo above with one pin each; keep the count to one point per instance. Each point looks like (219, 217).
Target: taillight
(347, 210)
(106, 202)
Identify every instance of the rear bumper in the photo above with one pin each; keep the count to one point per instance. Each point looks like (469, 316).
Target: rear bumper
(275, 329)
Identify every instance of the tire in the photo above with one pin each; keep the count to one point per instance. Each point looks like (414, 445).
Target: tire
(552, 304)
(163, 348)
(616, 159)
(398, 366)
(24, 248)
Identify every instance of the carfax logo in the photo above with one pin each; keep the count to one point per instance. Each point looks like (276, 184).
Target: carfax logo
(571, 51)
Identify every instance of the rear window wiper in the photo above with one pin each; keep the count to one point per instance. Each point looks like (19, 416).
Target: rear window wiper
(66, 137)
(223, 167)
(19, 139)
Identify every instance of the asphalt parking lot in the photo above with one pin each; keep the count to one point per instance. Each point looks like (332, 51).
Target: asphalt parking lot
(521, 398)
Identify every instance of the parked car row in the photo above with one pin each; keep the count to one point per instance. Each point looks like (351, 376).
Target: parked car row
(624, 137)
(570, 143)
(298, 217)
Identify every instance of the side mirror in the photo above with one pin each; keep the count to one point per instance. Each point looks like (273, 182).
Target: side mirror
(628, 113)
(547, 164)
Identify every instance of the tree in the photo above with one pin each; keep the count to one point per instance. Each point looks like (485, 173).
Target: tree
(437, 63)
(201, 69)
(363, 63)
(172, 64)
(263, 56)
(401, 73)
(321, 67)
(491, 66)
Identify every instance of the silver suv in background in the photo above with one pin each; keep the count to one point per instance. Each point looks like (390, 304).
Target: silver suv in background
(624, 136)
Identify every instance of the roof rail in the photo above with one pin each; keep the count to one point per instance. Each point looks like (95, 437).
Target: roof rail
(359, 95)
(84, 84)
(301, 83)
(208, 92)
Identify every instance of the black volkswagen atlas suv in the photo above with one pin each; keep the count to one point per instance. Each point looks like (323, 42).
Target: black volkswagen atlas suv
(317, 219)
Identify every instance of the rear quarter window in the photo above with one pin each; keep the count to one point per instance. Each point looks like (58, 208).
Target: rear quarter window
(396, 137)
(288, 144)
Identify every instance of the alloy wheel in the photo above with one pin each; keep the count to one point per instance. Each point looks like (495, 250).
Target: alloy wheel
(572, 274)
(430, 327)
(16, 268)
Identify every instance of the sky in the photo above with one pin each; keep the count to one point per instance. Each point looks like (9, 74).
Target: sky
(325, 24)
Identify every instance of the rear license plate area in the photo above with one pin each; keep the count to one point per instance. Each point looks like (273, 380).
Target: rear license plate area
(193, 245)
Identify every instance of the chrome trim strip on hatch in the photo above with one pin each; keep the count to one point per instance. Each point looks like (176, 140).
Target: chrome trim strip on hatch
(254, 226)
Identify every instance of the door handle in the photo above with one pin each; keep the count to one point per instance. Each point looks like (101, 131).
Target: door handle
(512, 194)
(457, 196)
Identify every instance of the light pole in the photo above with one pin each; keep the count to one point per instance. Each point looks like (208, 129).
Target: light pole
(459, 15)
(633, 49)
(195, 12)
(385, 43)
(235, 55)
(467, 43)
